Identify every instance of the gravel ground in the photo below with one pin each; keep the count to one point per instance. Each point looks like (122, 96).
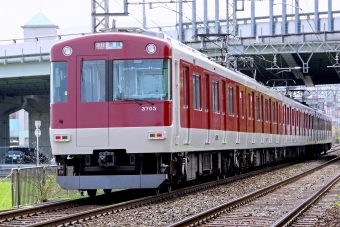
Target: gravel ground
(167, 212)
(330, 218)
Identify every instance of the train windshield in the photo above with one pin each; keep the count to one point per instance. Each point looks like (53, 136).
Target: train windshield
(58, 82)
(145, 79)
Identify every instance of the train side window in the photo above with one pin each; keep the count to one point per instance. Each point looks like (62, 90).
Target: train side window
(206, 93)
(273, 113)
(287, 116)
(242, 104)
(197, 92)
(215, 96)
(293, 117)
(223, 96)
(257, 108)
(59, 82)
(230, 101)
(249, 106)
(93, 81)
(266, 110)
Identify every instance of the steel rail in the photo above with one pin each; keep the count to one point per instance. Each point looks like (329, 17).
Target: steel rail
(43, 207)
(17, 213)
(223, 208)
(111, 209)
(289, 217)
(14, 213)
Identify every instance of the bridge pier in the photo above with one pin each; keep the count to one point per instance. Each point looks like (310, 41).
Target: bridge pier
(38, 107)
(8, 105)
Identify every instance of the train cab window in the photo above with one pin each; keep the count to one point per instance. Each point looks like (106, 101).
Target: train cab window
(215, 96)
(146, 79)
(59, 82)
(197, 92)
(257, 108)
(230, 101)
(93, 81)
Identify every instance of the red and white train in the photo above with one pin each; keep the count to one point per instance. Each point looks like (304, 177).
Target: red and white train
(130, 110)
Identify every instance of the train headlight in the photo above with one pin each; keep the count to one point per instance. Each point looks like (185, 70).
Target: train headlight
(160, 135)
(67, 50)
(61, 137)
(151, 48)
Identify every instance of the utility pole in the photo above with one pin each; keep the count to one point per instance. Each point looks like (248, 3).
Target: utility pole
(101, 16)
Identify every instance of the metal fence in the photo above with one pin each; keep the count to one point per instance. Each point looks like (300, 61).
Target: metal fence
(29, 185)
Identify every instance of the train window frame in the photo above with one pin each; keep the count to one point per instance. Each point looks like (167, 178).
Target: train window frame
(94, 80)
(257, 108)
(287, 115)
(266, 110)
(215, 92)
(197, 92)
(242, 104)
(207, 92)
(249, 106)
(59, 82)
(129, 80)
(223, 96)
(273, 112)
(293, 117)
(230, 101)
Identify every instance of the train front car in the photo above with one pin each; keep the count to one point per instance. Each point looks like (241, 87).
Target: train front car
(111, 111)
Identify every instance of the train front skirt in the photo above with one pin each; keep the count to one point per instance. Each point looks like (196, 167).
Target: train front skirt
(111, 181)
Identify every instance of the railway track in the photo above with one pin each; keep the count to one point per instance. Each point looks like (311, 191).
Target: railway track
(83, 209)
(263, 207)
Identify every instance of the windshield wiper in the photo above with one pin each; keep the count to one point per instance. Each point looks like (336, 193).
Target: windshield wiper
(136, 100)
(140, 100)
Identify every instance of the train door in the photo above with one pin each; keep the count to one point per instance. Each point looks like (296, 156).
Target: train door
(253, 116)
(271, 120)
(177, 104)
(186, 107)
(92, 101)
(224, 114)
(262, 120)
(278, 121)
(207, 107)
(238, 114)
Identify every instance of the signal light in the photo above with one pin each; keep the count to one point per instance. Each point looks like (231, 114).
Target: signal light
(61, 137)
(157, 135)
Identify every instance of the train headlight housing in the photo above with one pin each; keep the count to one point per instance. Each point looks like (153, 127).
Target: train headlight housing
(151, 48)
(61, 137)
(160, 135)
(67, 50)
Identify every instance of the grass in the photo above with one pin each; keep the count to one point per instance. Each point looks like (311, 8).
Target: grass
(5, 195)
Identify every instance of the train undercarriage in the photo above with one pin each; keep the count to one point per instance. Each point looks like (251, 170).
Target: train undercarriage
(116, 169)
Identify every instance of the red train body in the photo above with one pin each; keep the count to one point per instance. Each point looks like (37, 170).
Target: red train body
(137, 111)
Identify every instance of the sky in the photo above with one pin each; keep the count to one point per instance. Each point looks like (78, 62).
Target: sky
(74, 16)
